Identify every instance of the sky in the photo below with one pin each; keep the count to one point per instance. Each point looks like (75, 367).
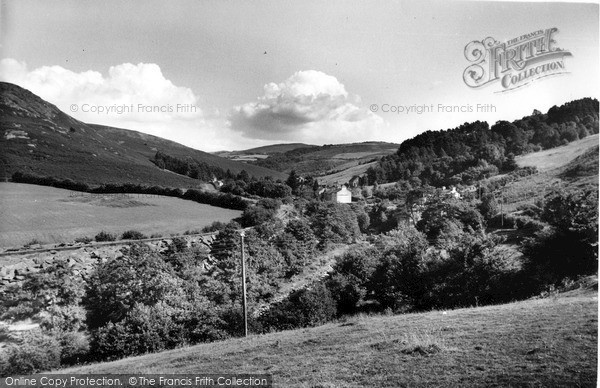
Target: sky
(228, 75)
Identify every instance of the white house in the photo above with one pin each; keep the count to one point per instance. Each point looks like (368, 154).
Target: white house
(344, 195)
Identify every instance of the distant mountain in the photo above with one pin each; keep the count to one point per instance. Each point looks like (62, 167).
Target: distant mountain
(36, 137)
(265, 150)
(327, 159)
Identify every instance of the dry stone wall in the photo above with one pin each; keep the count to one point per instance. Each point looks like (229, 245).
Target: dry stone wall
(81, 259)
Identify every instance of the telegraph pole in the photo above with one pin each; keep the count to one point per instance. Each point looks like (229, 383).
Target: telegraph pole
(245, 312)
(501, 208)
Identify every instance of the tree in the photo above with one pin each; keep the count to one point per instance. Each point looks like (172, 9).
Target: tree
(293, 181)
(570, 246)
(488, 206)
(396, 281)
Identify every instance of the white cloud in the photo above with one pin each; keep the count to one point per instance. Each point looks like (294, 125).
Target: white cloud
(142, 85)
(309, 106)
(148, 102)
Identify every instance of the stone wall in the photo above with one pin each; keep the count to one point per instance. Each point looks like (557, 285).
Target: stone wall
(82, 258)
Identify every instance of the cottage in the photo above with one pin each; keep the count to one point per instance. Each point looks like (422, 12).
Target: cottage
(344, 195)
(355, 181)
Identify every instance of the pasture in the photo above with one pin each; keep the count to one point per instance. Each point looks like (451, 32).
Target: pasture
(534, 343)
(557, 157)
(52, 215)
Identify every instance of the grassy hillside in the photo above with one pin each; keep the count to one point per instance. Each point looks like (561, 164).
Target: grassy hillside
(571, 165)
(327, 159)
(345, 175)
(557, 157)
(266, 150)
(545, 342)
(36, 137)
(51, 215)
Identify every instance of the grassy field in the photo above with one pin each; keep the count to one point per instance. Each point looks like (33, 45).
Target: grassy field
(557, 157)
(536, 343)
(574, 165)
(51, 215)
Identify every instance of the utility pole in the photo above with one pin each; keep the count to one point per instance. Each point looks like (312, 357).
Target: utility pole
(501, 208)
(245, 312)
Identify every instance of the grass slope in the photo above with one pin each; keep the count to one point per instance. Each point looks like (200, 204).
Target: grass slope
(574, 165)
(546, 342)
(327, 159)
(266, 150)
(557, 157)
(55, 144)
(50, 215)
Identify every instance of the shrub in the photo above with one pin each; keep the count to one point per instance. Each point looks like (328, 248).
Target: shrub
(133, 235)
(396, 281)
(75, 347)
(144, 329)
(347, 292)
(505, 221)
(105, 236)
(214, 227)
(529, 224)
(31, 242)
(36, 353)
(83, 240)
(303, 308)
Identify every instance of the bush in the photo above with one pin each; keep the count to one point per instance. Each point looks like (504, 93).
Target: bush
(105, 236)
(133, 235)
(529, 224)
(499, 221)
(75, 347)
(37, 353)
(303, 308)
(397, 279)
(83, 240)
(145, 329)
(214, 227)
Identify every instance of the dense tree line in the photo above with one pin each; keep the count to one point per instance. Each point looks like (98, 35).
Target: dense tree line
(190, 167)
(474, 151)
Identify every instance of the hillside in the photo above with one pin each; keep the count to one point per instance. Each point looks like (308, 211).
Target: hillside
(265, 150)
(543, 342)
(476, 150)
(327, 159)
(574, 165)
(36, 137)
(557, 157)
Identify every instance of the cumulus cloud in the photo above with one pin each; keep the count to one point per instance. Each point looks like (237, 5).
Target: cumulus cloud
(154, 104)
(309, 106)
(141, 86)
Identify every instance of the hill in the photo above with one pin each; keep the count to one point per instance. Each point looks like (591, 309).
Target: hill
(476, 150)
(36, 137)
(541, 342)
(326, 159)
(48, 214)
(265, 150)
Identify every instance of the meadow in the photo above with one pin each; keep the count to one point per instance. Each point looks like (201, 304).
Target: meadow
(534, 343)
(51, 215)
(557, 157)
